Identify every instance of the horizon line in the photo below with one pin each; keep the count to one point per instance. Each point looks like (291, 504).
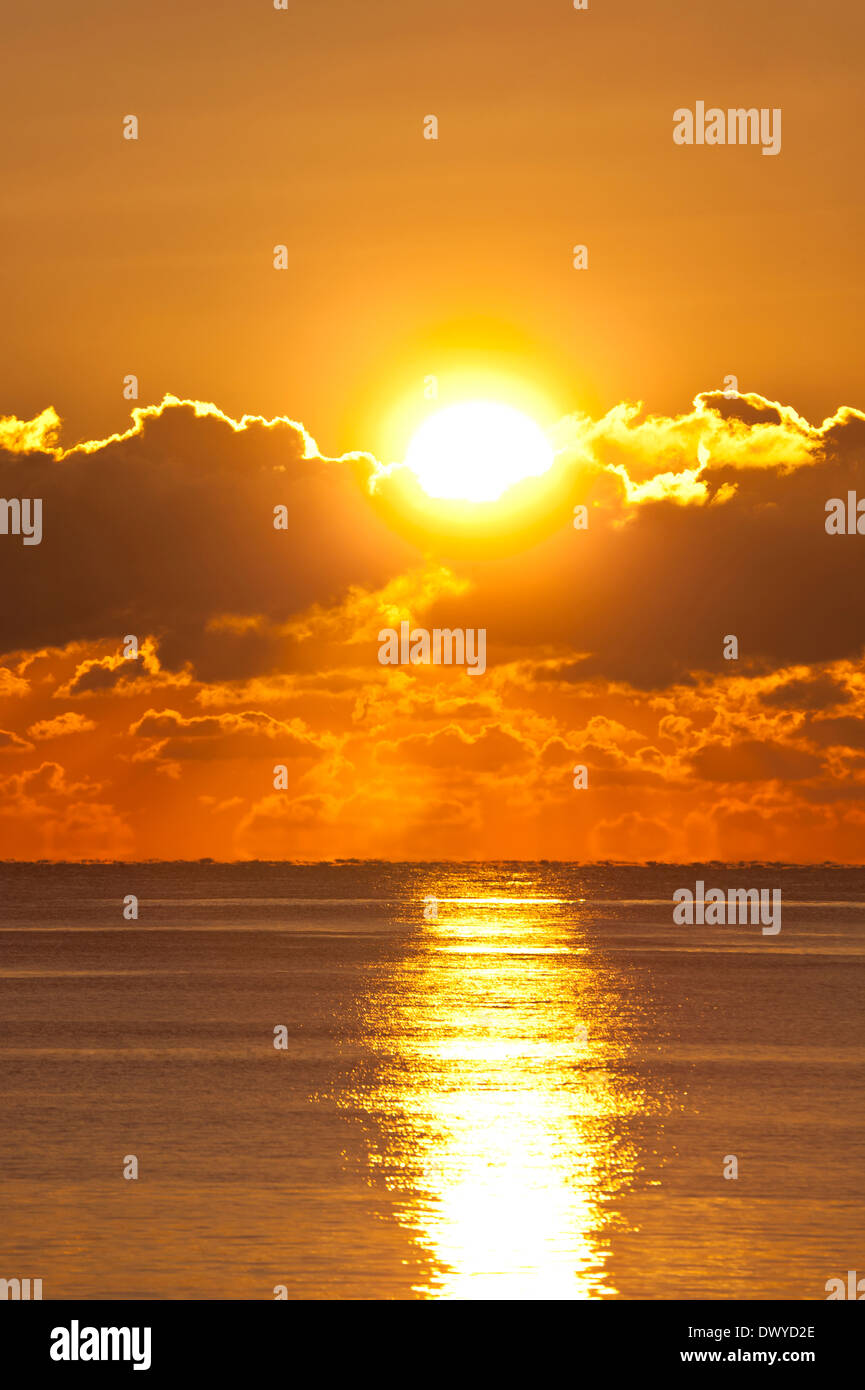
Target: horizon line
(373, 859)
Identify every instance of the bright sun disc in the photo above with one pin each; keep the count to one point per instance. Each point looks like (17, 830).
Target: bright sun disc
(476, 450)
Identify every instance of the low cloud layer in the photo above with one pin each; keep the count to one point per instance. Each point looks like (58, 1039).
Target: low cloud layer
(605, 646)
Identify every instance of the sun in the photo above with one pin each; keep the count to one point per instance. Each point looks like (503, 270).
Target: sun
(476, 450)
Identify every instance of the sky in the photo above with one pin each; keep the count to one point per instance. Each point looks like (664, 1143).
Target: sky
(412, 261)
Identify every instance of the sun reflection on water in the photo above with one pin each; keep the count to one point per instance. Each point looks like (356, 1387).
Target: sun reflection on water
(496, 1112)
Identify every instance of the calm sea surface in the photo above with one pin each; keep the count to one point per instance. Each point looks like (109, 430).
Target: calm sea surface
(533, 1094)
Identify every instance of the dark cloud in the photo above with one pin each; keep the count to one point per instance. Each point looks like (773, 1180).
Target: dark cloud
(751, 410)
(93, 677)
(235, 735)
(651, 601)
(491, 749)
(163, 531)
(752, 761)
(846, 732)
(822, 692)
(170, 530)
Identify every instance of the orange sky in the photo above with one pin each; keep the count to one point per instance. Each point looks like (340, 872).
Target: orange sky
(410, 258)
(305, 128)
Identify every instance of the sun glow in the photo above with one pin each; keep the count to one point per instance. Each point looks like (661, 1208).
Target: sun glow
(476, 450)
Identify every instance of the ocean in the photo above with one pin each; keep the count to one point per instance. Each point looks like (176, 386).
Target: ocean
(399, 1081)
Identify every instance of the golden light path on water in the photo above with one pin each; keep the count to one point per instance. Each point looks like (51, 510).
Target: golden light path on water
(497, 1117)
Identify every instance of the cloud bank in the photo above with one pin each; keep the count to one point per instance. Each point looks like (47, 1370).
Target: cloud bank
(605, 646)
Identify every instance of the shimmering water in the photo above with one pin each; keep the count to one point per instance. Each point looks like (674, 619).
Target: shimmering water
(531, 1094)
